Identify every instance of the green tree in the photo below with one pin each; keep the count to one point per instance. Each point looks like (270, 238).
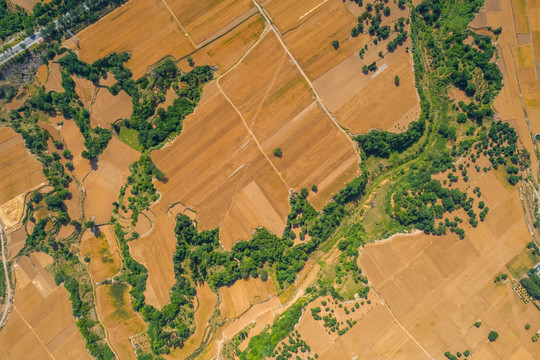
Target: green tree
(335, 44)
(493, 335)
(277, 152)
(396, 80)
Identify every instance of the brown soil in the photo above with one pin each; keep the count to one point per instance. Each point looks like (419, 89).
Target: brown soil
(41, 325)
(238, 298)
(206, 302)
(42, 73)
(27, 5)
(104, 264)
(121, 321)
(103, 185)
(20, 171)
(85, 89)
(201, 19)
(381, 102)
(108, 108)
(137, 26)
(54, 81)
(278, 107)
(155, 252)
(423, 286)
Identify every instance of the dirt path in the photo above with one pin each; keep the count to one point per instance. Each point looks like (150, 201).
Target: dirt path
(252, 135)
(8, 285)
(401, 326)
(179, 24)
(269, 22)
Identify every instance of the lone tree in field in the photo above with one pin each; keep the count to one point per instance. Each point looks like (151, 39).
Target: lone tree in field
(277, 152)
(396, 80)
(335, 44)
(190, 61)
(493, 336)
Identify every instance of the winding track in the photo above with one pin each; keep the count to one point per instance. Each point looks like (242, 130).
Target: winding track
(8, 285)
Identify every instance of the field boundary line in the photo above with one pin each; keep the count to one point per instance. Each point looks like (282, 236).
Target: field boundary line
(31, 329)
(263, 33)
(252, 135)
(401, 326)
(179, 24)
(318, 99)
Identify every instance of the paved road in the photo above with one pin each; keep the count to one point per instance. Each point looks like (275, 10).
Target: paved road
(9, 302)
(20, 47)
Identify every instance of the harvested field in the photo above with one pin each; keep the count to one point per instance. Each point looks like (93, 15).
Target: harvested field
(54, 80)
(238, 298)
(27, 5)
(15, 159)
(380, 104)
(121, 321)
(424, 293)
(42, 73)
(215, 136)
(170, 96)
(16, 242)
(155, 252)
(41, 325)
(507, 104)
(73, 201)
(228, 49)
(254, 206)
(137, 26)
(376, 332)
(108, 108)
(202, 19)
(204, 309)
(85, 89)
(309, 27)
(75, 143)
(103, 184)
(311, 43)
(103, 264)
(520, 15)
(314, 151)
(144, 223)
